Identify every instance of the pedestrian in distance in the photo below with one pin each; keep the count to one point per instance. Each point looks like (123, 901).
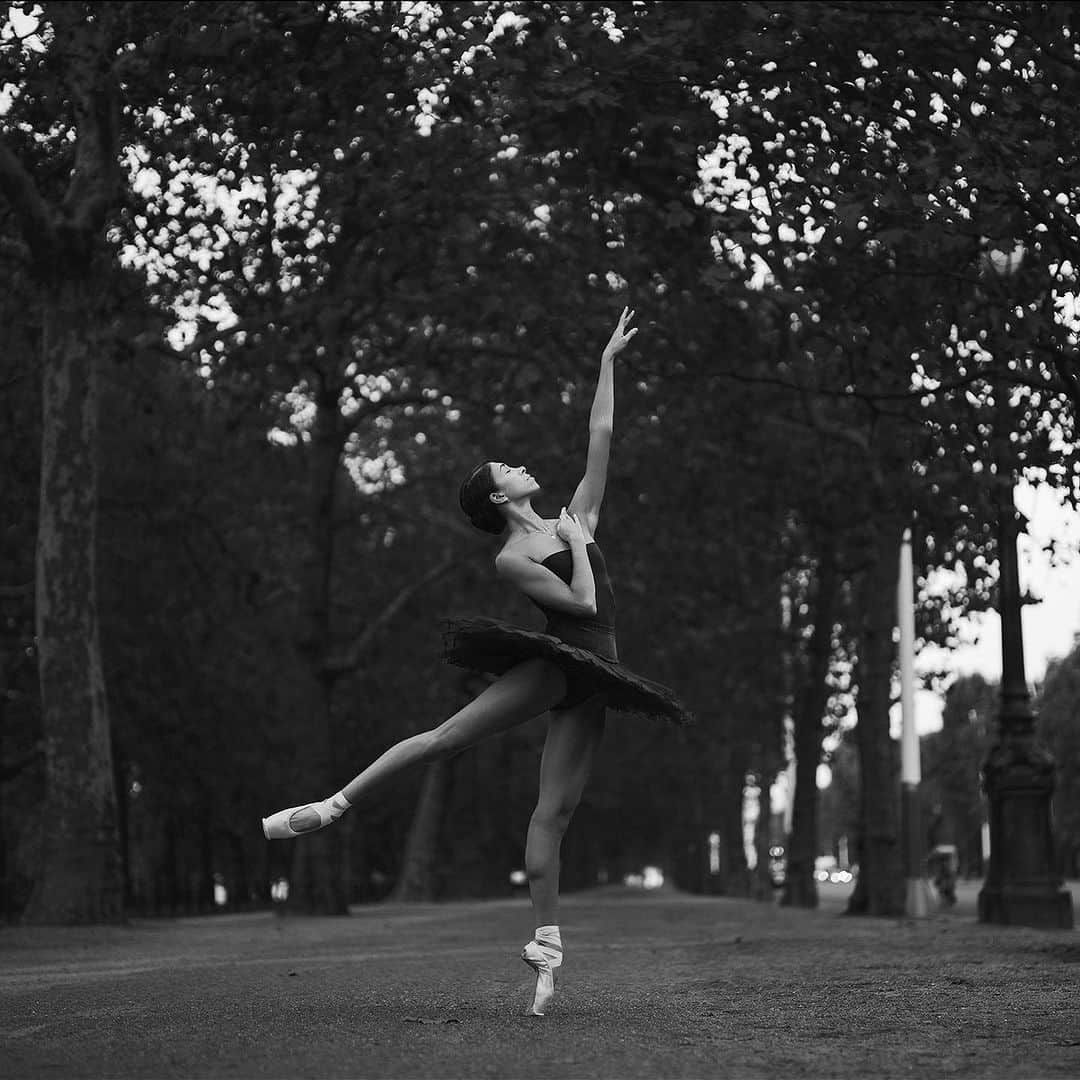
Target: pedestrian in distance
(570, 671)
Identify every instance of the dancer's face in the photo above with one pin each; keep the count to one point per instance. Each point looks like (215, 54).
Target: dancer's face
(514, 481)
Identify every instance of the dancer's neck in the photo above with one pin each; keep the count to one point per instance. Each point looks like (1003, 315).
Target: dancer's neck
(524, 521)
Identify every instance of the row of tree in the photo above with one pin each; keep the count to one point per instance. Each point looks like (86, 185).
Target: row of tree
(278, 275)
(953, 807)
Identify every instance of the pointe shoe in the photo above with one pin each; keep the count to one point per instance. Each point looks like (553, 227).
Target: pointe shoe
(279, 826)
(543, 960)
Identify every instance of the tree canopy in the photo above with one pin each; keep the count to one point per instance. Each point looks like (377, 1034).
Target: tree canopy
(277, 276)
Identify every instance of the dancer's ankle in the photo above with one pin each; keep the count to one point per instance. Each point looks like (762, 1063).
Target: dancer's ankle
(549, 936)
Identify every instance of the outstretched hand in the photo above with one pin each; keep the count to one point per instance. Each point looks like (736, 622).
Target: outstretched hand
(620, 337)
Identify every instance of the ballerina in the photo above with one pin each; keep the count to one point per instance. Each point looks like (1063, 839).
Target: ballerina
(571, 670)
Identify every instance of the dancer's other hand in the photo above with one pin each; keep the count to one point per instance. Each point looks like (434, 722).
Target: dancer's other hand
(569, 528)
(620, 338)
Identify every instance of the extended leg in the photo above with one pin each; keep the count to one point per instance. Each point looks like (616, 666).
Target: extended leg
(522, 693)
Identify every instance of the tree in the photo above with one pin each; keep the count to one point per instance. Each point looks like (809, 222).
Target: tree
(21, 750)
(60, 232)
(858, 178)
(401, 234)
(951, 791)
(1058, 703)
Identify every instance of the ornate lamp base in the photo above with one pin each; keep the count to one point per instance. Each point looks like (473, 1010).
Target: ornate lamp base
(1023, 886)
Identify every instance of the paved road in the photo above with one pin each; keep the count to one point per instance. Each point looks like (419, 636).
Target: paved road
(655, 985)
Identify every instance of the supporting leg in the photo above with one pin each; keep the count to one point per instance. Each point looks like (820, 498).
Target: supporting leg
(572, 739)
(573, 736)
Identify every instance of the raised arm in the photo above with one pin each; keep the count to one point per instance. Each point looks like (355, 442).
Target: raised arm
(590, 492)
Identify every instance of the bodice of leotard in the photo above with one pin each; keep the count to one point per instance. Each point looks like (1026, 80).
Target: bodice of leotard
(596, 633)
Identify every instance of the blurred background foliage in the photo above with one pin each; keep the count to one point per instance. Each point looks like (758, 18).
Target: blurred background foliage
(322, 258)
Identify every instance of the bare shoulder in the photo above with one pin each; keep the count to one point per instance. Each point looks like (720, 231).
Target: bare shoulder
(513, 564)
(528, 553)
(511, 553)
(507, 556)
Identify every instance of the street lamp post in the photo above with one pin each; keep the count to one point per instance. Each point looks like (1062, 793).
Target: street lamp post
(1023, 884)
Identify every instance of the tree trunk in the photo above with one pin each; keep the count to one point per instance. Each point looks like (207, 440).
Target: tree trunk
(768, 758)
(761, 884)
(238, 883)
(205, 900)
(80, 879)
(318, 885)
(123, 826)
(6, 904)
(880, 889)
(170, 880)
(800, 888)
(417, 881)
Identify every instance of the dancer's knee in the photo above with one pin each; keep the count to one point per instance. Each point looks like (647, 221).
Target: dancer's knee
(546, 830)
(553, 818)
(435, 744)
(445, 740)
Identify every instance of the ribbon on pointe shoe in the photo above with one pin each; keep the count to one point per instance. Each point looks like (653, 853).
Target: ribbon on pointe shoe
(543, 959)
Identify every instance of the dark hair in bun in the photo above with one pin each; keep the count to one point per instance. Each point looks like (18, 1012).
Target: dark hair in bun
(475, 499)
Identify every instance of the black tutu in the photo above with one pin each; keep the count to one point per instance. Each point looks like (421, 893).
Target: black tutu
(494, 647)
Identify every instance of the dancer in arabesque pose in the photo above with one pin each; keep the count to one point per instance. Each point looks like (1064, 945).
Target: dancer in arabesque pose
(571, 670)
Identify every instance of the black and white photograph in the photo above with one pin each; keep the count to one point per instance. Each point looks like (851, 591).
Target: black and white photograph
(539, 540)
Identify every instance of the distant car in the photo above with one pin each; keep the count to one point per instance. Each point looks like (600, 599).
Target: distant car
(836, 875)
(651, 877)
(777, 866)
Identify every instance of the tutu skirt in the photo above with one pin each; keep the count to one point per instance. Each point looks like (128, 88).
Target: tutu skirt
(494, 647)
